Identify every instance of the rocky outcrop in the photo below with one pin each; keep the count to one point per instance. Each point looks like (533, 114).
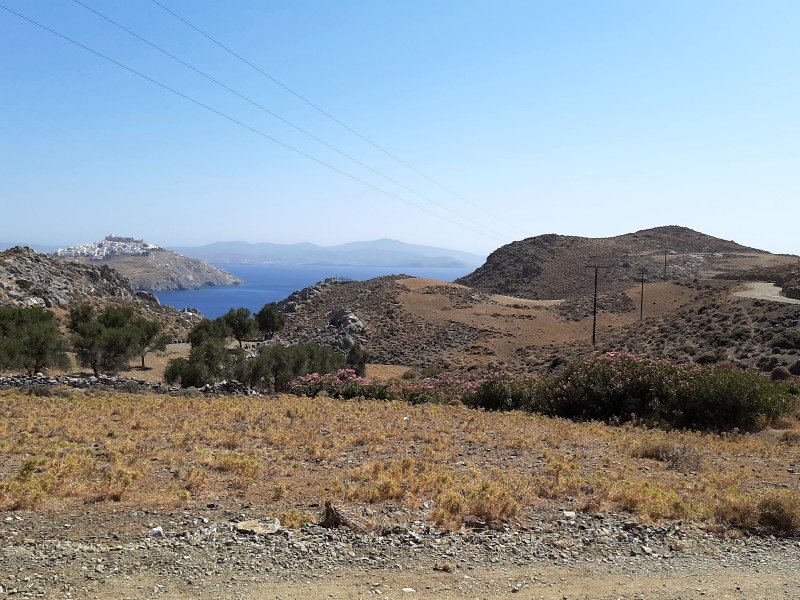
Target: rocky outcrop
(342, 328)
(162, 270)
(297, 298)
(31, 279)
(791, 289)
(41, 280)
(371, 313)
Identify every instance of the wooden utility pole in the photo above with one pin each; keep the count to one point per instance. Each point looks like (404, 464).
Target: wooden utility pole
(642, 271)
(594, 305)
(665, 265)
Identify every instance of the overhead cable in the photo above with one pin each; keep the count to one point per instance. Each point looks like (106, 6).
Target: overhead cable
(241, 124)
(280, 118)
(333, 118)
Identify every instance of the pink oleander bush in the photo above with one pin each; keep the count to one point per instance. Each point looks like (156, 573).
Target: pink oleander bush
(614, 388)
(445, 388)
(343, 383)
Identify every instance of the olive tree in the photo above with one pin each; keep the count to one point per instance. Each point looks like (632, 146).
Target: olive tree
(270, 320)
(147, 337)
(30, 339)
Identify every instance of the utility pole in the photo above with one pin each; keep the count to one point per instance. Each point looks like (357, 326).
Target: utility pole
(665, 265)
(594, 305)
(642, 271)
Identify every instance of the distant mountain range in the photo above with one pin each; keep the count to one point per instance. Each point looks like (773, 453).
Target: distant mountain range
(378, 253)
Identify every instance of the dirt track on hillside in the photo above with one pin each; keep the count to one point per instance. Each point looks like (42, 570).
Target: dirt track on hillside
(761, 290)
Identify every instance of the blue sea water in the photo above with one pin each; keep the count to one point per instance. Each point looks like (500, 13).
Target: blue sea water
(272, 283)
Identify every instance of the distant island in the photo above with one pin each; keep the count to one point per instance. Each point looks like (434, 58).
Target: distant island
(148, 266)
(375, 253)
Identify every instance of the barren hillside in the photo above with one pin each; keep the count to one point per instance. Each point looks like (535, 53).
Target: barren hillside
(555, 266)
(530, 306)
(420, 323)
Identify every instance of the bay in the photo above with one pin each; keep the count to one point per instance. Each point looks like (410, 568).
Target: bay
(272, 283)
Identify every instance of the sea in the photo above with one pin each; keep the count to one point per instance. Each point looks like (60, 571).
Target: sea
(266, 283)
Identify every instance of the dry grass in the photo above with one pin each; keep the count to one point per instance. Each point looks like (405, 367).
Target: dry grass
(449, 464)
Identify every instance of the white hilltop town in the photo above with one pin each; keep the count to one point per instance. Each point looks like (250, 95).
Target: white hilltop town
(110, 246)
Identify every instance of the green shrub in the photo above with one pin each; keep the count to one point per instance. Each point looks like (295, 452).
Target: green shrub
(780, 374)
(722, 398)
(614, 387)
(357, 359)
(30, 339)
(622, 387)
(500, 390)
(186, 373)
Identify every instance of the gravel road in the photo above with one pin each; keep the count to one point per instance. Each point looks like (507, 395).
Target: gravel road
(200, 553)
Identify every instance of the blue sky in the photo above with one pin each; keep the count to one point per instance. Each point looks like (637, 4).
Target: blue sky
(572, 117)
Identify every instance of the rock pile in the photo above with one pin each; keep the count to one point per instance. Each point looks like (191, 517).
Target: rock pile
(344, 330)
(41, 383)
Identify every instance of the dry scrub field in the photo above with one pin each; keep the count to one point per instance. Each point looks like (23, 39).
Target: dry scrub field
(286, 455)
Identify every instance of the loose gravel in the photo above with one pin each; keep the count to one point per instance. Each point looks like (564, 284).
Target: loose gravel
(202, 552)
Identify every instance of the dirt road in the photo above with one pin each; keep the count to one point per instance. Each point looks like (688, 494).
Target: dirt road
(116, 554)
(545, 583)
(761, 290)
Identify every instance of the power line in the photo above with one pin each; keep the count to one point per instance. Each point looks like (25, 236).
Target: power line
(240, 123)
(280, 118)
(332, 118)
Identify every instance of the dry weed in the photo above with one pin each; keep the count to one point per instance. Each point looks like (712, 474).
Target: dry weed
(449, 461)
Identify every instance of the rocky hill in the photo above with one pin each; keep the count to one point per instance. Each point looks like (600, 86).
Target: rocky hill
(148, 267)
(555, 266)
(31, 279)
(692, 317)
(380, 315)
(162, 270)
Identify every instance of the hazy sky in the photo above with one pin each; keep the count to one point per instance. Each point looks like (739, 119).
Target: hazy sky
(573, 117)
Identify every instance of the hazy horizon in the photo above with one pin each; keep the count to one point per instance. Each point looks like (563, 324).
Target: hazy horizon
(167, 245)
(509, 120)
